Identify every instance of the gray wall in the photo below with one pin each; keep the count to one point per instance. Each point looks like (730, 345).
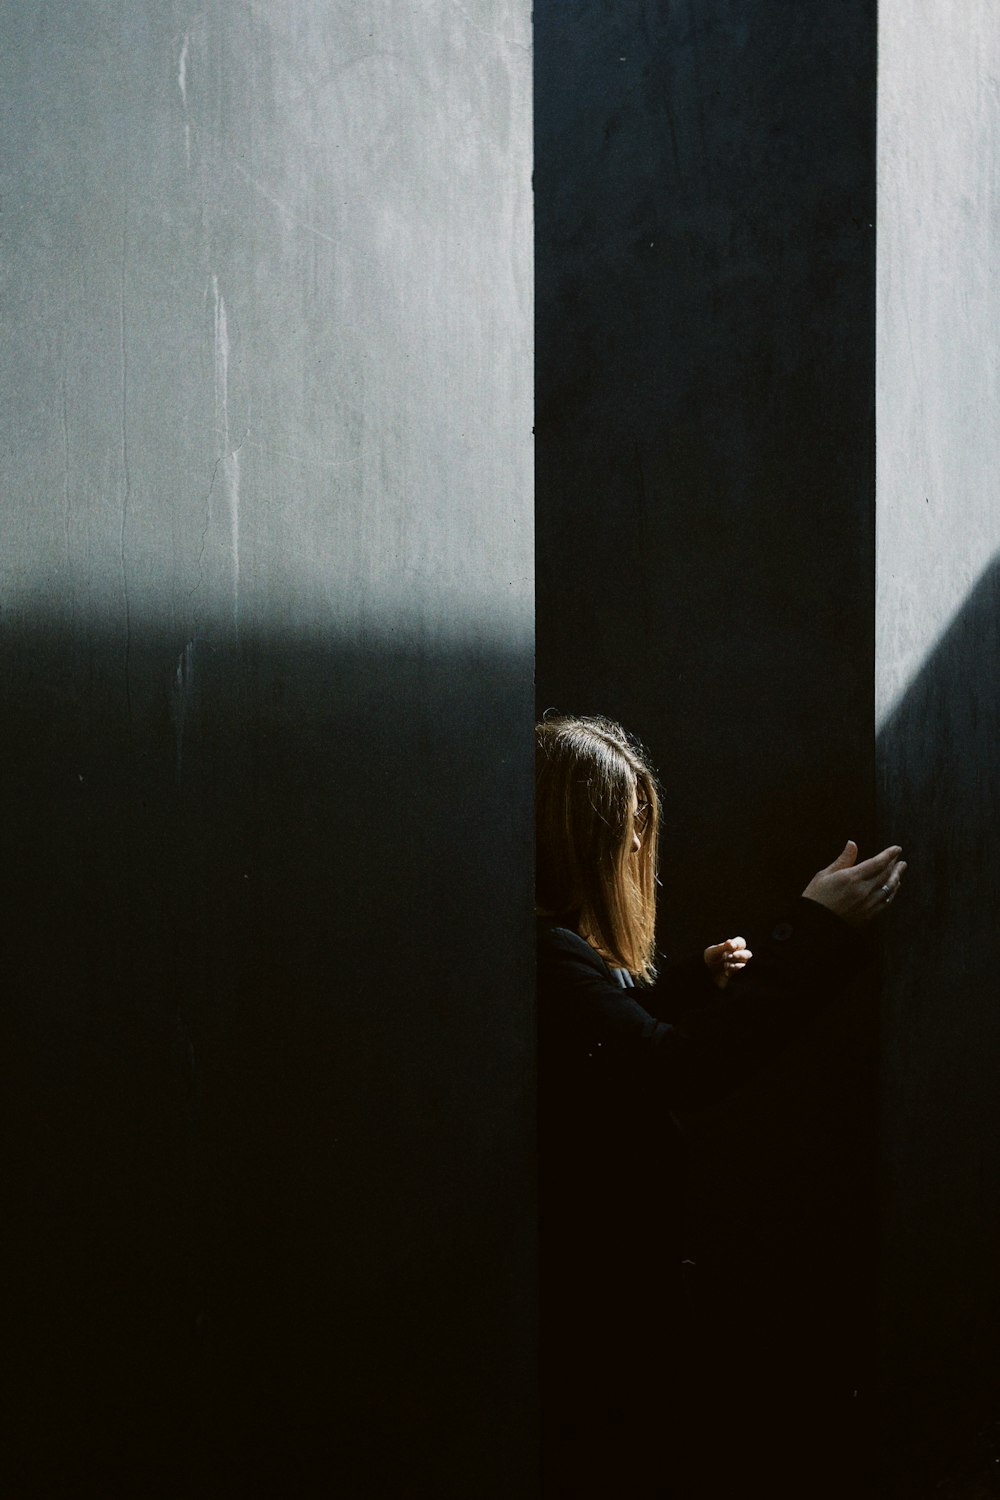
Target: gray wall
(938, 703)
(704, 182)
(266, 632)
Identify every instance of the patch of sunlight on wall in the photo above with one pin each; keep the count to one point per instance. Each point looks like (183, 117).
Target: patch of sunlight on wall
(938, 356)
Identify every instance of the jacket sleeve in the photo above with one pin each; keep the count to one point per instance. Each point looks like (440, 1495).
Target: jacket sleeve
(681, 985)
(599, 1028)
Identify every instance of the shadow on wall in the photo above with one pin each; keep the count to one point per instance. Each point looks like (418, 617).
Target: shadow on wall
(939, 793)
(268, 1043)
(827, 1386)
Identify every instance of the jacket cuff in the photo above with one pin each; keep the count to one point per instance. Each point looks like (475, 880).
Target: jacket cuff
(803, 925)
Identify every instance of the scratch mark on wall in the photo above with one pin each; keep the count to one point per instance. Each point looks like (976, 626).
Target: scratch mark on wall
(206, 525)
(183, 689)
(66, 505)
(230, 456)
(182, 85)
(300, 458)
(126, 480)
(182, 67)
(283, 208)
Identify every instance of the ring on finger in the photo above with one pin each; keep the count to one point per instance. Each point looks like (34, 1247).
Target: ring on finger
(888, 893)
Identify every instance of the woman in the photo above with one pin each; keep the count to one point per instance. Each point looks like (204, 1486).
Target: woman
(620, 1047)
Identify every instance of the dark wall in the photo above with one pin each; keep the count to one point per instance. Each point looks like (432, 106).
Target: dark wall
(939, 783)
(266, 662)
(704, 185)
(268, 1110)
(704, 182)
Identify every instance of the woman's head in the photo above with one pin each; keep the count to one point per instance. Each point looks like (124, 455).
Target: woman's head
(597, 820)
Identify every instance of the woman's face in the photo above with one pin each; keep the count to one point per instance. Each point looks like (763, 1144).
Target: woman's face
(640, 813)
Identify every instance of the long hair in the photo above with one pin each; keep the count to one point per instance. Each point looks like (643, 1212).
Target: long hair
(588, 877)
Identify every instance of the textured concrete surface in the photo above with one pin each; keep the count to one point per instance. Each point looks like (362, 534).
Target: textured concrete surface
(266, 630)
(938, 702)
(266, 352)
(938, 366)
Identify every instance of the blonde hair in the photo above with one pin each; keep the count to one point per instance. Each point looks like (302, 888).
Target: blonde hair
(587, 875)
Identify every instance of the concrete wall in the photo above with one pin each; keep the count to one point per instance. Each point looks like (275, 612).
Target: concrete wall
(705, 295)
(266, 631)
(707, 572)
(938, 604)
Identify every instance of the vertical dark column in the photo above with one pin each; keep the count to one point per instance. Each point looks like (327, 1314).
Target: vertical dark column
(704, 182)
(267, 646)
(704, 267)
(938, 701)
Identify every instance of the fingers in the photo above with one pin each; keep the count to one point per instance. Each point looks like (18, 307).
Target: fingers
(858, 892)
(739, 954)
(883, 894)
(879, 864)
(877, 875)
(846, 857)
(732, 954)
(882, 878)
(890, 886)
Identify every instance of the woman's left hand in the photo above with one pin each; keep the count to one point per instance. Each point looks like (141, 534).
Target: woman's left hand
(724, 959)
(858, 892)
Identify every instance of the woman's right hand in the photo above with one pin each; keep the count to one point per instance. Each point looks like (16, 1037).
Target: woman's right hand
(724, 959)
(858, 892)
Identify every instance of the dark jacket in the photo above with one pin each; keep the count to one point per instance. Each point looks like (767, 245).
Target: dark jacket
(614, 1063)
